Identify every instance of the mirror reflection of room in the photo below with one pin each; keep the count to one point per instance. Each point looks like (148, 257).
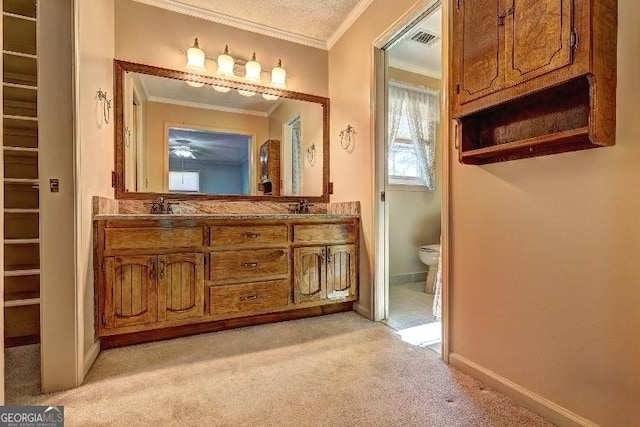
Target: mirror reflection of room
(199, 139)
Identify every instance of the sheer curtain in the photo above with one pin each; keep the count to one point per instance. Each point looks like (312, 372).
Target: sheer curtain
(421, 107)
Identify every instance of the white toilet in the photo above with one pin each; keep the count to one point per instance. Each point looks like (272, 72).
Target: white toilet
(430, 255)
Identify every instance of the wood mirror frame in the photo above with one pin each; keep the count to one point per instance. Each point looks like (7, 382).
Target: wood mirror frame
(120, 67)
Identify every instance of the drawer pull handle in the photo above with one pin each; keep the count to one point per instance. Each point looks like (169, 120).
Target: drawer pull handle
(252, 235)
(250, 264)
(249, 298)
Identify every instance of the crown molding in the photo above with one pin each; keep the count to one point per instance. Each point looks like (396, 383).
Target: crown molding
(351, 18)
(206, 106)
(417, 69)
(197, 12)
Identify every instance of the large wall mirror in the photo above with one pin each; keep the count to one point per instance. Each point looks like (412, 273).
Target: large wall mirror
(182, 136)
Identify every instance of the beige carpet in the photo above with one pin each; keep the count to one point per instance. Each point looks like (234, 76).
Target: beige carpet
(338, 370)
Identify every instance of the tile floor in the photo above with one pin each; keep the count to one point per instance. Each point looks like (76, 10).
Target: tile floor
(411, 314)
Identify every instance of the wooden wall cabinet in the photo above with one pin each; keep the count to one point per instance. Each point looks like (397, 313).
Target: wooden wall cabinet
(164, 278)
(270, 182)
(533, 77)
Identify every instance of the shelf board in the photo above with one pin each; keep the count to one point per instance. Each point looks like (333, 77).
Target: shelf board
(13, 148)
(19, 86)
(538, 141)
(15, 15)
(25, 118)
(21, 299)
(26, 272)
(21, 181)
(21, 211)
(22, 54)
(21, 241)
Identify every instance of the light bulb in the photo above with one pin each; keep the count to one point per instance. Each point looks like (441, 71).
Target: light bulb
(278, 75)
(269, 97)
(225, 63)
(195, 84)
(221, 89)
(253, 69)
(246, 93)
(195, 56)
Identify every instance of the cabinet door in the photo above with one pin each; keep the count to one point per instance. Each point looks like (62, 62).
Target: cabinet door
(181, 286)
(309, 280)
(341, 271)
(538, 38)
(130, 290)
(478, 48)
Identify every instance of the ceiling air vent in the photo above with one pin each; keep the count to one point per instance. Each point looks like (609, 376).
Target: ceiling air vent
(424, 37)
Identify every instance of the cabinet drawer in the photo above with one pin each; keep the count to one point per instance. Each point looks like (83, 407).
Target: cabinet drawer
(255, 235)
(250, 297)
(153, 238)
(250, 263)
(324, 233)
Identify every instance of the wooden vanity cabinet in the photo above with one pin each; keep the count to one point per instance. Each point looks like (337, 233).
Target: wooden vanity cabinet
(142, 289)
(532, 77)
(171, 277)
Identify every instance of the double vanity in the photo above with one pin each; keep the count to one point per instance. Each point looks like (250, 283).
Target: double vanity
(162, 276)
(228, 251)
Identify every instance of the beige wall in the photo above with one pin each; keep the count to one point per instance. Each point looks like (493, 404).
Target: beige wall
(350, 89)
(545, 273)
(414, 213)
(154, 36)
(311, 126)
(94, 150)
(158, 115)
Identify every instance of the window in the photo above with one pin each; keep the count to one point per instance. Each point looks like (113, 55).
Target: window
(184, 181)
(404, 167)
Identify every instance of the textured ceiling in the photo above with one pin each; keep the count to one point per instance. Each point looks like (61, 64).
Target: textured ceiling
(412, 56)
(316, 19)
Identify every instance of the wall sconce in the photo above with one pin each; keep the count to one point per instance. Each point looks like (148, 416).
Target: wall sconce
(347, 137)
(311, 154)
(228, 66)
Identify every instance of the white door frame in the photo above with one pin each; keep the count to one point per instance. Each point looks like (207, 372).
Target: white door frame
(379, 113)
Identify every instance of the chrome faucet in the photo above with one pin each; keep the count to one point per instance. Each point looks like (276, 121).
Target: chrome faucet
(161, 207)
(302, 207)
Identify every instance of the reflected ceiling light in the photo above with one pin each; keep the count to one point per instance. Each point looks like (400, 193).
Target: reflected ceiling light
(252, 69)
(195, 56)
(246, 93)
(269, 97)
(278, 75)
(195, 84)
(225, 63)
(221, 89)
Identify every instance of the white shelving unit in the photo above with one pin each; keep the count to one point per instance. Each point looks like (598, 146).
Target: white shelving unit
(20, 157)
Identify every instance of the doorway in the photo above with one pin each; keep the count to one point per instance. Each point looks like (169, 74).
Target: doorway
(410, 165)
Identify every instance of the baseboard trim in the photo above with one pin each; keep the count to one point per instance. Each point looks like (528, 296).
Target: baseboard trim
(362, 311)
(538, 404)
(90, 358)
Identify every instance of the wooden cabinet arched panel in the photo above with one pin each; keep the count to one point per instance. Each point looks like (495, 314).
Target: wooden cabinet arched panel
(538, 38)
(341, 271)
(181, 285)
(130, 291)
(478, 67)
(310, 274)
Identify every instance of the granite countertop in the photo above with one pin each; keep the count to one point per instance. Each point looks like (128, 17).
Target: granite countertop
(103, 217)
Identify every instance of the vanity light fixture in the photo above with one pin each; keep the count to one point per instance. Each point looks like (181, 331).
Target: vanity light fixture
(269, 97)
(311, 154)
(246, 93)
(253, 69)
(195, 56)
(278, 75)
(221, 89)
(194, 84)
(226, 63)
